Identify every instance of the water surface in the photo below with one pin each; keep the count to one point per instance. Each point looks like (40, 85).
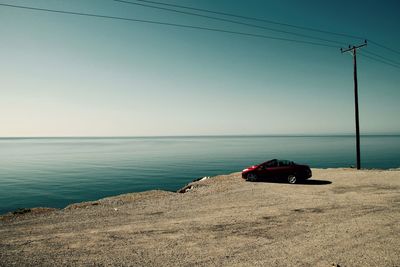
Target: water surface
(55, 172)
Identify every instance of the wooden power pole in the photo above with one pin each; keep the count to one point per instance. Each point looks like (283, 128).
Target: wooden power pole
(353, 49)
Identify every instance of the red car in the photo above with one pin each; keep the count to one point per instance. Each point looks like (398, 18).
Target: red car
(277, 169)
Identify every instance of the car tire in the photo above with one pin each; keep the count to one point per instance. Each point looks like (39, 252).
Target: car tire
(251, 177)
(292, 179)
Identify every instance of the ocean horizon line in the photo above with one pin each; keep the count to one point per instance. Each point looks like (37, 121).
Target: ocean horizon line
(200, 136)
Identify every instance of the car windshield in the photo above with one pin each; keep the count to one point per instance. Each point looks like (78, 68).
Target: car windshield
(271, 163)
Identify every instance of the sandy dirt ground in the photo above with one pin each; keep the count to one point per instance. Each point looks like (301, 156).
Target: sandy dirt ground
(340, 217)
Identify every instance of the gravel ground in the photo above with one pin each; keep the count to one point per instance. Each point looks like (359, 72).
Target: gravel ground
(340, 217)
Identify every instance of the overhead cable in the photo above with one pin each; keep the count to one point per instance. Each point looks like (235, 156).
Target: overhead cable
(274, 22)
(256, 19)
(379, 60)
(170, 24)
(232, 21)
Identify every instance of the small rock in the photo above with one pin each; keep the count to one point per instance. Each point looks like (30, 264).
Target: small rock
(21, 211)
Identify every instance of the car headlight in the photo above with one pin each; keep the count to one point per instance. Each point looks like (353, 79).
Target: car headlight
(245, 170)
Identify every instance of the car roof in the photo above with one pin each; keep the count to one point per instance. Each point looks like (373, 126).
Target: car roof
(278, 160)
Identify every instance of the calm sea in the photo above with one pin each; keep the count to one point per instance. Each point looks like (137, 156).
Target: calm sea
(55, 172)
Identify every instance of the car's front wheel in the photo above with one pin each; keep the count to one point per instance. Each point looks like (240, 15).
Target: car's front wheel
(292, 179)
(251, 177)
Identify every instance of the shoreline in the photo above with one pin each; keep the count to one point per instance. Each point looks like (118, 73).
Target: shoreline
(43, 209)
(340, 216)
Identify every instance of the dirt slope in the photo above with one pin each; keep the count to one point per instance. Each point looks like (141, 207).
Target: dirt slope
(342, 216)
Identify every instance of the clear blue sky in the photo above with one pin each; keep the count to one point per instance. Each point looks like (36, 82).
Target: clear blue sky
(64, 75)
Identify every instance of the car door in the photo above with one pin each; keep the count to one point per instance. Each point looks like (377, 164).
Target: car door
(271, 168)
(283, 169)
(262, 171)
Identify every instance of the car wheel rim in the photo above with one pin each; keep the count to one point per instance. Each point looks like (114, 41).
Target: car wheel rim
(292, 179)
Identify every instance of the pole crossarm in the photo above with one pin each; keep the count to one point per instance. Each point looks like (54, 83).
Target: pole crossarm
(353, 48)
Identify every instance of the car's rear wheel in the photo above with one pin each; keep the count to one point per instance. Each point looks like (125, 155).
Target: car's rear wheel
(292, 179)
(251, 177)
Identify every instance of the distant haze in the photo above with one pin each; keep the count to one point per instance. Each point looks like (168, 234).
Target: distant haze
(64, 75)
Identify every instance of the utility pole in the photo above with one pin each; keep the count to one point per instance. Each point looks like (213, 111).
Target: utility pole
(353, 49)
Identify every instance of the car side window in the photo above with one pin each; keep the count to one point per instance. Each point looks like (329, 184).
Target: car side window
(285, 163)
(272, 163)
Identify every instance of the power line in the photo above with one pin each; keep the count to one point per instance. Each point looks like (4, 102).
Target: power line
(381, 57)
(379, 60)
(385, 47)
(274, 22)
(169, 24)
(231, 21)
(256, 19)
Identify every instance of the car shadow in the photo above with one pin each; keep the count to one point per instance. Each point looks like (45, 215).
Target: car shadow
(315, 182)
(306, 182)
